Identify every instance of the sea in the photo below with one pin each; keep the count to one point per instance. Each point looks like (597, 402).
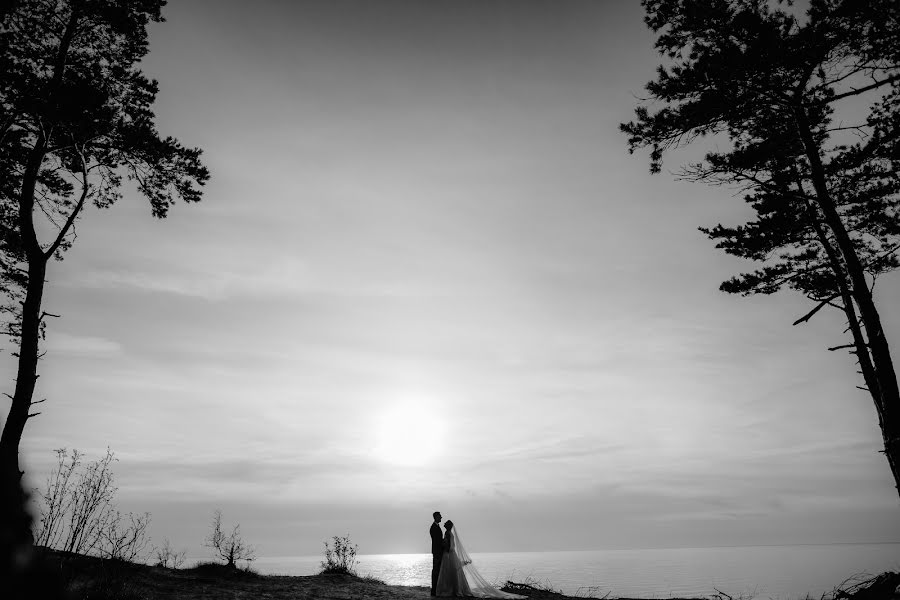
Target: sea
(794, 572)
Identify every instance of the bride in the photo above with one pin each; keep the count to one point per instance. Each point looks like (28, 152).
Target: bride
(458, 576)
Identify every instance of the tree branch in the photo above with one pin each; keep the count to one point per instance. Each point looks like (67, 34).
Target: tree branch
(819, 307)
(856, 91)
(832, 349)
(74, 214)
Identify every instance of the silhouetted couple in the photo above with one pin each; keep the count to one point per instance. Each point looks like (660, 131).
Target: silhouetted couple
(452, 572)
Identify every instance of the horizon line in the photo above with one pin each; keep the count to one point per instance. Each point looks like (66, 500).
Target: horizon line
(897, 542)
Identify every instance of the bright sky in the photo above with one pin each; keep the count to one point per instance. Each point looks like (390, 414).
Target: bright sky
(426, 275)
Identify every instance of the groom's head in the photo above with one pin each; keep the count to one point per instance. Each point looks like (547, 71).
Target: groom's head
(437, 517)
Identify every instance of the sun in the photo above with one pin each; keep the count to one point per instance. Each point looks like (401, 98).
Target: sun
(408, 435)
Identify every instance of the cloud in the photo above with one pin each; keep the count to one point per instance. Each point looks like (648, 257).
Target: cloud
(65, 343)
(253, 279)
(210, 284)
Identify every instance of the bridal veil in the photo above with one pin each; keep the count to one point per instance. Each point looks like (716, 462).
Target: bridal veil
(480, 588)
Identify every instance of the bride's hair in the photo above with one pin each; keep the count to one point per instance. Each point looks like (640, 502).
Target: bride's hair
(448, 525)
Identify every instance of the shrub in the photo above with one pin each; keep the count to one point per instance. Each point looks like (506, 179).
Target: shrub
(230, 547)
(342, 558)
(167, 557)
(125, 540)
(79, 515)
(77, 503)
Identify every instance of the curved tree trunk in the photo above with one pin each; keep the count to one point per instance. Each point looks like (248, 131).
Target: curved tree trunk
(886, 394)
(859, 341)
(26, 375)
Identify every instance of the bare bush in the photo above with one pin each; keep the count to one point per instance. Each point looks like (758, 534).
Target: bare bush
(168, 557)
(228, 547)
(125, 540)
(56, 499)
(91, 505)
(77, 503)
(78, 513)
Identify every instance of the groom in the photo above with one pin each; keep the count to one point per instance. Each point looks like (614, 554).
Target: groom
(437, 550)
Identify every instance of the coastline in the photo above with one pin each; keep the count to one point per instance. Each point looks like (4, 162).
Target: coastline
(783, 572)
(85, 576)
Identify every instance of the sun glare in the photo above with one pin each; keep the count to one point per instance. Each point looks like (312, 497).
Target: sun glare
(409, 435)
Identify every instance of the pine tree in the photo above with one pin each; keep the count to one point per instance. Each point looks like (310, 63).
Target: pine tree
(75, 121)
(776, 89)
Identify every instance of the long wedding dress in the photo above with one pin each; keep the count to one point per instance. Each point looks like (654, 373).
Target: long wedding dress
(459, 577)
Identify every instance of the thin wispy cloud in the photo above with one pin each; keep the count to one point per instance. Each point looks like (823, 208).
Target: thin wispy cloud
(78, 345)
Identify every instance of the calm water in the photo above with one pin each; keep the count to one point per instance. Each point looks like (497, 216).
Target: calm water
(778, 572)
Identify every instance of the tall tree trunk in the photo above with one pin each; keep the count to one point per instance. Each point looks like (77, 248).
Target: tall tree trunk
(26, 375)
(859, 341)
(37, 268)
(887, 393)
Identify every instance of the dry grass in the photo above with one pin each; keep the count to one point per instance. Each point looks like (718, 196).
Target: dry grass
(885, 586)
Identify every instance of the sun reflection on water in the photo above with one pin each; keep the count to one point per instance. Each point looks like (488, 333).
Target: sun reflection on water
(398, 569)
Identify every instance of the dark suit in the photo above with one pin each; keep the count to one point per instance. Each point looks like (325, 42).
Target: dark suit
(437, 551)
